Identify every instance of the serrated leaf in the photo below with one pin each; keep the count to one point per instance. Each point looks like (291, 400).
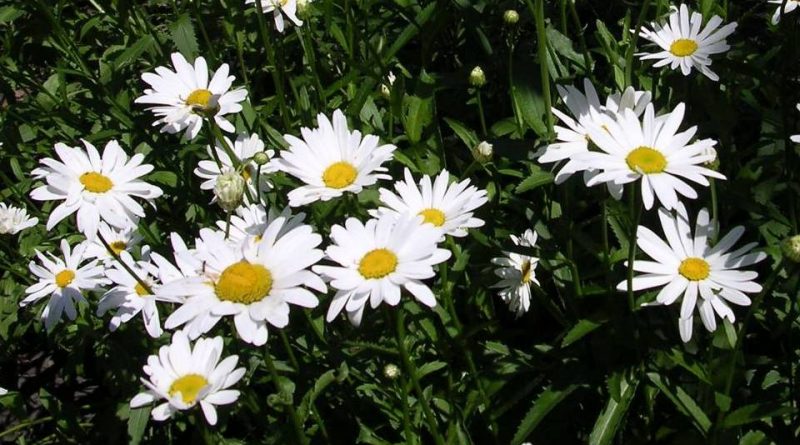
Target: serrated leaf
(607, 423)
(682, 401)
(542, 406)
(756, 412)
(469, 137)
(579, 330)
(535, 180)
(183, 35)
(137, 423)
(417, 113)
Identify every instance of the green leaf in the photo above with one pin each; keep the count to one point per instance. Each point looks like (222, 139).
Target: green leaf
(183, 35)
(417, 113)
(682, 401)
(542, 406)
(756, 412)
(466, 135)
(134, 51)
(167, 178)
(536, 179)
(581, 329)
(137, 422)
(607, 423)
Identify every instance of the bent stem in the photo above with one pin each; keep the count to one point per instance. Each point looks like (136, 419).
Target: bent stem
(298, 427)
(127, 268)
(413, 374)
(635, 209)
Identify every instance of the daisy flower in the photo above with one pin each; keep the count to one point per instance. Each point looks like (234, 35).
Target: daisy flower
(63, 280)
(123, 240)
(376, 259)
(181, 98)
(244, 149)
(444, 205)
(651, 151)
(688, 266)
(254, 284)
(683, 44)
(278, 8)
(251, 222)
(184, 376)
(585, 109)
(94, 187)
(790, 6)
(332, 160)
(14, 220)
(516, 274)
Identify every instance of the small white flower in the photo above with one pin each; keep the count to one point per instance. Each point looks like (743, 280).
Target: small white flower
(790, 6)
(688, 266)
(14, 220)
(185, 376)
(181, 98)
(94, 187)
(63, 280)
(278, 8)
(442, 204)
(245, 148)
(683, 44)
(386, 87)
(3, 391)
(516, 274)
(332, 160)
(251, 222)
(376, 259)
(119, 241)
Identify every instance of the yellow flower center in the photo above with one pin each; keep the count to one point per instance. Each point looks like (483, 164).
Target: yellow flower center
(339, 175)
(118, 246)
(140, 290)
(646, 160)
(433, 216)
(694, 269)
(64, 278)
(377, 263)
(683, 47)
(244, 283)
(526, 272)
(95, 182)
(189, 386)
(199, 98)
(246, 175)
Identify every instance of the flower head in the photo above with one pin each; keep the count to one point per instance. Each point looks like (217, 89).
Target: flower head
(123, 240)
(279, 8)
(246, 149)
(783, 8)
(516, 272)
(14, 220)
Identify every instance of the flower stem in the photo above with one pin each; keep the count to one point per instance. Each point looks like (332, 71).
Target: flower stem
(541, 36)
(276, 73)
(127, 268)
(635, 208)
(480, 111)
(632, 44)
(298, 427)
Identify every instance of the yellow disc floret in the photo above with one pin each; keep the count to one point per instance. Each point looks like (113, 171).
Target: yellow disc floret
(339, 175)
(96, 182)
(646, 160)
(189, 386)
(694, 269)
(683, 47)
(199, 98)
(527, 272)
(118, 246)
(433, 216)
(244, 283)
(377, 263)
(64, 278)
(141, 290)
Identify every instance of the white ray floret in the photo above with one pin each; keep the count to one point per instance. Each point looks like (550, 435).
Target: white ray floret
(183, 97)
(651, 151)
(379, 258)
(97, 188)
(14, 220)
(253, 284)
(685, 44)
(796, 138)
(516, 272)
(689, 266)
(790, 6)
(279, 8)
(123, 240)
(244, 149)
(445, 205)
(64, 280)
(184, 376)
(252, 221)
(332, 160)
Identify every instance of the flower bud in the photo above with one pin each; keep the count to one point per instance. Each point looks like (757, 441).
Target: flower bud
(511, 17)
(714, 163)
(261, 158)
(391, 371)
(302, 7)
(791, 248)
(483, 152)
(386, 87)
(229, 190)
(477, 78)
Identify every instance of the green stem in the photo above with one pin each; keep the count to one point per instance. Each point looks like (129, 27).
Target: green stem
(289, 352)
(480, 111)
(311, 57)
(227, 224)
(23, 425)
(632, 44)
(298, 427)
(635, 208)
(714, 211)
(276, 72)
(587, 60)
(541, 37)
(125, 265)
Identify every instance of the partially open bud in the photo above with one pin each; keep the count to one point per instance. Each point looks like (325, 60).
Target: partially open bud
(511, 17)
(261, 158)
(229, 190)
(714, 164)
(302, 7)
(483, 152)
(391, 371)
(791, 248)
(477, 78)
(386, 87)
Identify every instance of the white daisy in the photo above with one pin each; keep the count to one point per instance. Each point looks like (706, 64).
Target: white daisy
(586, 109)
(181, 98)
(251, 222)
(686, 265)
(278, 8)
(516, 274)
(790, 6)
(683, 43)
(244, 149)
(332, 160)
(652, 151)
(441, 204)
(254, 284)
(14, 220)
(119, 240)
(185, 376)
(97, 188)
(796, 138)
(376, 259)
(63, 280)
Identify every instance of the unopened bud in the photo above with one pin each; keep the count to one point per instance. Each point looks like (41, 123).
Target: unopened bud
(483, 152)
(386, 88)
(511, 17)
(261, 158)
(302, 6)
(229, 190)
(714, 163)
(391, 371)
(477, 78)
(791, 248)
